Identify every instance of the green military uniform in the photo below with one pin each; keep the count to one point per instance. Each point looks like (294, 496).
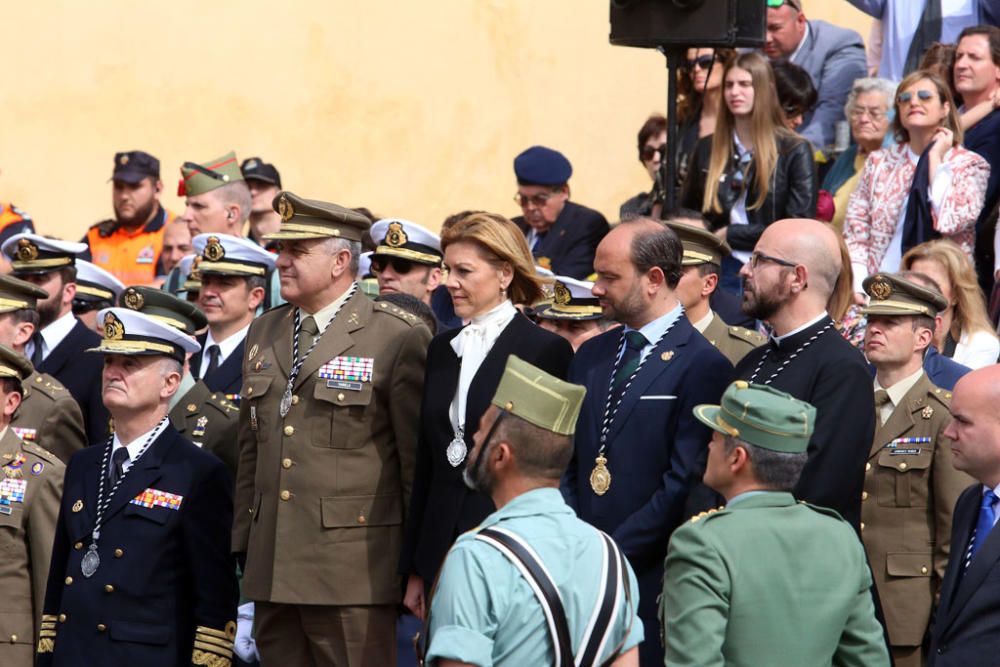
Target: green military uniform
(705, 248)
(911, 485)
(321, 491)
(768, 580)
(30, 492)
(208, 420)
(49, 417)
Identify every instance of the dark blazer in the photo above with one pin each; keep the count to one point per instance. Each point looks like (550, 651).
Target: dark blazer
(792, 192)
(441, 506)
(80, 372)
(966, 629)
(656, 450)
(166, 576)
(571, 242)
(943, 371)
(729, 307)
(228, 377)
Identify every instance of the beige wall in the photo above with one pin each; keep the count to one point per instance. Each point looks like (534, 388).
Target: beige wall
(413, 109)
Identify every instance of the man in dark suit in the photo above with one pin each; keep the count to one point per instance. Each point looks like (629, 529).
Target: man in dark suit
(58, 347)
(639, 448)
(233, 274)
(562, 236)
(141, 570)
(966, 630)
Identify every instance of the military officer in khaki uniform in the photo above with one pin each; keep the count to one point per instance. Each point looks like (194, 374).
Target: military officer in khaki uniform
(573, 312)
(204, 417)
(48, 416)
(703, 253)
(329, 418)
(910, 485)
(30, 490)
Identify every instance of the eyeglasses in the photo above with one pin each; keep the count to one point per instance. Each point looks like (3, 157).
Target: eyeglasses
(538, 200)
(875, 114)
(923, 95)
(649, 152)
(757, 257)
(399, 265)
(702, 62)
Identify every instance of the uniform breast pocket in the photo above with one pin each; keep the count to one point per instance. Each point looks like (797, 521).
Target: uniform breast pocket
(11, 538)
(156, 515)
(342, 419)
(255, 388)
(903, 479)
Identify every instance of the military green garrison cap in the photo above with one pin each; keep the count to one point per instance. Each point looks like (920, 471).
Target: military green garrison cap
(892, 295)
(16, 294)
(311, 219)
(197, 179)
(539, 398)
(14, 365)
(762, 416)
(700, 246)
(164, 307)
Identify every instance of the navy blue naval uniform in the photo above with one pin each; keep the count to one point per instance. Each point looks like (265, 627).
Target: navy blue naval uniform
(165, 593)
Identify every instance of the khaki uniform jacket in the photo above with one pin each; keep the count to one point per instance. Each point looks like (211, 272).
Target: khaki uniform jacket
(27, 528)
(50, 417)
(209, 421)
(909, 495)
(320, 493)
(733, 342)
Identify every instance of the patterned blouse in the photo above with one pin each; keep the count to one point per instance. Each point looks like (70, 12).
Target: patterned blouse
(875, 208)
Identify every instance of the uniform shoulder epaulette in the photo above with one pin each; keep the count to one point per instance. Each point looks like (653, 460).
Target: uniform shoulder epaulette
(105, 227)
(708, 514)
(943, 396)
(40, 452)
(48, 385)
(824, 510)
(222, 404)
(748, 335)
(405, 315)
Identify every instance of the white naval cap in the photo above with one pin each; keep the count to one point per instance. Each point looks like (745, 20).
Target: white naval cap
(364, 264)
(542, 271)
(572, 299)
(95, 284)
(408, 240)
(131, 332)
(33, 253)
(231, 255)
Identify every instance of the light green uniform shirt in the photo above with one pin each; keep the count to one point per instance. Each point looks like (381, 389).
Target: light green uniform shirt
(485, 613)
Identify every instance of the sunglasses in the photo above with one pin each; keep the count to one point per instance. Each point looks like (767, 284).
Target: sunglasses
(399, 265)
(922, 95)
(649, 152)
(793, 111)
(702, 62)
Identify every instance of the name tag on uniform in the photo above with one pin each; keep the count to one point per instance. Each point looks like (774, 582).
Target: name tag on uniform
(909, 450)
(661, 397)
(341, 384)
(157, 498)
(348, 369)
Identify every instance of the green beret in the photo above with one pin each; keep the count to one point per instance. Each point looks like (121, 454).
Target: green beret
(892, 295)
(539, 398)
(312, 219)
(165, 307)
(700, 246)
(197, 179)
(762, 416)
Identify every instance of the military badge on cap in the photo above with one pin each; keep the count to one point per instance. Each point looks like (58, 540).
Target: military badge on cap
(285, 208)
(560, 294)
(26, 250)
(395, 236)
(572, 299)
(113, 327)
(880, 288)
(132, 299)
(892, 294)
(214, 250)
(123, 160)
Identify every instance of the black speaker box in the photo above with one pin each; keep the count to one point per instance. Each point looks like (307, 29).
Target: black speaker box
(656, 23)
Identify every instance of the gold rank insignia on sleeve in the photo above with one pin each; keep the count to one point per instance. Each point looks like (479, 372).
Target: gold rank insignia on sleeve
(47, 634)
(212, 647)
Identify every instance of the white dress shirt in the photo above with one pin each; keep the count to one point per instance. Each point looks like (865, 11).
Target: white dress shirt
(135, 446)
(52, 335)
(226, 348)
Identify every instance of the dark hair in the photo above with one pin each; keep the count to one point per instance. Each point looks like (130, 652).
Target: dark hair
(11, 385)
(22, 315)
(413, 305)
(939, 58)
(540, 453)
(256, 281)
(795, 87)
(680, 213)
(659, 247)
(709, 268)
(776, 470)
(68, 274)
(654, 126)
(992, 34)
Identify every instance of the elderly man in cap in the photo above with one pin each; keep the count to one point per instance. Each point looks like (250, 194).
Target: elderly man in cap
(911, 484)
(526, 585)
(407, 258)
(57, 346)
(264, 182)
(141, 571)
(48, 415)
(30, 488)
(735, 590)
(129, 244)
(574, 312)
(233, 272)
(701, 268)
(329, 414)
(562, 236)
(96, 289)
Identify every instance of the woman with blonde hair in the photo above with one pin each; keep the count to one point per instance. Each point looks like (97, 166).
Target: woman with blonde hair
(924, 187)
(489, 270)
(752, 170)
(966, 334)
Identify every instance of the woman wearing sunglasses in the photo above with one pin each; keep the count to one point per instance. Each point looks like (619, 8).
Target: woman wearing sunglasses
(926, 186)
(489, 270)
(700, 88)
(753, 170)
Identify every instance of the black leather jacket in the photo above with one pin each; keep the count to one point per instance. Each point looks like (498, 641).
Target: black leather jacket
(792, 193)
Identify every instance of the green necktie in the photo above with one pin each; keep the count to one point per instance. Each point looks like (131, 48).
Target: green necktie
(634, 342)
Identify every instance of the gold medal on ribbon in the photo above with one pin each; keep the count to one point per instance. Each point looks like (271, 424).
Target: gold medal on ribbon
(600, 476)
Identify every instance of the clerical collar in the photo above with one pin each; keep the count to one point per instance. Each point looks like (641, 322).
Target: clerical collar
(811, 323)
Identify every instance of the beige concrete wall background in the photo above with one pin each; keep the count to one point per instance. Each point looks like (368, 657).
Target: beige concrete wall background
(413, 109)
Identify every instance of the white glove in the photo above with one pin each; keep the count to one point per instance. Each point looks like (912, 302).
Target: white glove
(244, 646)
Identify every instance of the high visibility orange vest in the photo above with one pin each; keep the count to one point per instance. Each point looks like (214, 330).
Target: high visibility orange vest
(13, 221)
(131, 256)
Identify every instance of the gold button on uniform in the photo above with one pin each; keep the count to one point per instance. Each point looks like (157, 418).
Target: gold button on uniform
(286, 463)
(108, 588)
(289, 430)
(864, 495)
(285, 495)
(119, 553)
(362, 519)
(62, 618)
(868, 466)
(78, 546)
(862, 525)
(13, 639)
(295, 400)
(249, 390)
(101, 627)
(902, 466)
(69, 581)
(340, 397)
(923, 570)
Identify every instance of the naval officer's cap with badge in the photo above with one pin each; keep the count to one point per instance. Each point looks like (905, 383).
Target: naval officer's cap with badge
(95, 287)
(401, 242)
(227, 255)
(890, 294)
(32, 254)
(199, 178)
(128, 331)
(572, 299)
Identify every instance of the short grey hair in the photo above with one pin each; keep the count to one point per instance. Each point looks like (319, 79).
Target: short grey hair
(334, 245)
(776, 470)
(867, 85)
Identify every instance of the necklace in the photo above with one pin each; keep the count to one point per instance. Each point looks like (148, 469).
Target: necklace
(286, 398)
(600, 476)
(91, 560)
(794, 354)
